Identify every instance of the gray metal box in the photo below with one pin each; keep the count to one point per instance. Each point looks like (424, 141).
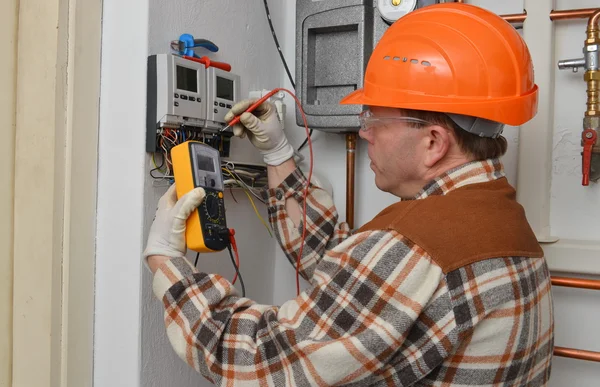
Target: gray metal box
(334, 41)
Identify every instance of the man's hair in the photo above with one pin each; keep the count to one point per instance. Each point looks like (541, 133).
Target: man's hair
(479, 148)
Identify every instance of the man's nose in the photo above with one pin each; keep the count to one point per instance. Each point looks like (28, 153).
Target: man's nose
(365, 135)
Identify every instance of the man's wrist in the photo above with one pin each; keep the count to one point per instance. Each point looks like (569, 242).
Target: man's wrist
(156, 261)
(277, 174)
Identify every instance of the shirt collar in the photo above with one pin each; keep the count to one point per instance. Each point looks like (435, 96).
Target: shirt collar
(471, 173)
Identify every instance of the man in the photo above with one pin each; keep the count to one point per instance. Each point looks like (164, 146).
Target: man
(446, 287)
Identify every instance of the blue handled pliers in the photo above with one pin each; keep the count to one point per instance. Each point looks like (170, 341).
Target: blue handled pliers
(186, 44)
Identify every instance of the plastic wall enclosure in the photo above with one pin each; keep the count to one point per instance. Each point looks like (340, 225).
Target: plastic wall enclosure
(334, 41)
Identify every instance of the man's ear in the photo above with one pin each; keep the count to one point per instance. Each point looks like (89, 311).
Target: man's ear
(438, 141)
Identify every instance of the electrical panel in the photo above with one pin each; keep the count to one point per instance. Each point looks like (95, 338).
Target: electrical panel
(334, 41)
(188, 100)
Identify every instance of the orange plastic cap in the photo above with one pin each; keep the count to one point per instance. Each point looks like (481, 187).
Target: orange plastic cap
(452, 58)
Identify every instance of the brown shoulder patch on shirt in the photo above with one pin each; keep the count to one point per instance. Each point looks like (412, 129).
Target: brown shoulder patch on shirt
(470, 224)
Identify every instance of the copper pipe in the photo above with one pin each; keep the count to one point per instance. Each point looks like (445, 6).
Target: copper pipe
(594, 21)
(576, 283)
(350, 168)
(515, 17)
(567, 14)
(577, 354)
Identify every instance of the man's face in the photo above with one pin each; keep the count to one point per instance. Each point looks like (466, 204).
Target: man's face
(396, 151)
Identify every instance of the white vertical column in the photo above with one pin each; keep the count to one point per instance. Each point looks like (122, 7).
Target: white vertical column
(535, 139)
(121, 166)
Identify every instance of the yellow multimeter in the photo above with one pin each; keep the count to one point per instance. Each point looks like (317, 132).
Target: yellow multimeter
(198, 165)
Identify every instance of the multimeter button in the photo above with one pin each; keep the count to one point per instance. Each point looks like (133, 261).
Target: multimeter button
(213, 182)
(220, 195)
(229, 106)
(184, 97)
(216, 111)
(216, 103)
(192, 99)
(222, 104)
(199, 99)
(176, 103)
(176, 95)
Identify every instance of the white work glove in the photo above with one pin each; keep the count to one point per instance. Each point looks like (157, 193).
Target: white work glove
(263, 129)
(167, 234)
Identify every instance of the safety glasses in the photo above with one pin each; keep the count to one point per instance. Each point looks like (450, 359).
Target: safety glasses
(369, 121)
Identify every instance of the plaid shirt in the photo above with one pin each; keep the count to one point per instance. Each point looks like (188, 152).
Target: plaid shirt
(380, 311)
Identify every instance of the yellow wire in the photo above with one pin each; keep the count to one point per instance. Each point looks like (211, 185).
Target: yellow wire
(257, 213)
(251, 200)
(156, 166)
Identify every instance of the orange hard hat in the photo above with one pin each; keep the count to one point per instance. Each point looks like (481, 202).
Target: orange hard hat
(452, 58)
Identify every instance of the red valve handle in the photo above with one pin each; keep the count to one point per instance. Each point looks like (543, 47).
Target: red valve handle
(208, 63)
(589, 140)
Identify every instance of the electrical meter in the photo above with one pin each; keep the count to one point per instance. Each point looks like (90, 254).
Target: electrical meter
(176, 92)
(392, 10)
(223, 90)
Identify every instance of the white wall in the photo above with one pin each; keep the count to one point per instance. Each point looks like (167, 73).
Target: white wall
(241, 31)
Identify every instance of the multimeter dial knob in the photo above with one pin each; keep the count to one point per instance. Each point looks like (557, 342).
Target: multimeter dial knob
(212, 206)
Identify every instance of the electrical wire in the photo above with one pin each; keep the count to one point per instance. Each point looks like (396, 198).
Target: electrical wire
(251, 201)
(258, 213)
(305, 141)
(309, 179)
(287, 69)
(243, 184)
(285, 65)
(237, 270)
(156, 167)
(310, 172)
(233, 244)
(196, 262)
(306, 190)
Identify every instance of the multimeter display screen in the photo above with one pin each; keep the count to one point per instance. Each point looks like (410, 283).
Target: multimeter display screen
(205, 163)
(187, 79)
(225, 88)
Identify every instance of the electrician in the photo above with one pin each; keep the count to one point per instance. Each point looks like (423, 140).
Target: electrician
(448, 286)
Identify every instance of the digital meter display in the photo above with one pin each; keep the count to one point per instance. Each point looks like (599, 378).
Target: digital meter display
(205, 163)
(187, 79)
(224, 88)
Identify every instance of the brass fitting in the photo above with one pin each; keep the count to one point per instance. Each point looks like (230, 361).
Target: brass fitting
(592, 75)
(396, 3)
(593, 29)
(593, 94)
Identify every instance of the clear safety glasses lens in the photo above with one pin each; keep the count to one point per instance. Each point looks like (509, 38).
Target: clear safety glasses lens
(368, 121)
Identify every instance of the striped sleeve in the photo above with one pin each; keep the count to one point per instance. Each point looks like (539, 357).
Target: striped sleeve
(369, 292)
(323, 232)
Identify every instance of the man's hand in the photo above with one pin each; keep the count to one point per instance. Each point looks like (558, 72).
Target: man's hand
(264, 131)
(167, 235)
